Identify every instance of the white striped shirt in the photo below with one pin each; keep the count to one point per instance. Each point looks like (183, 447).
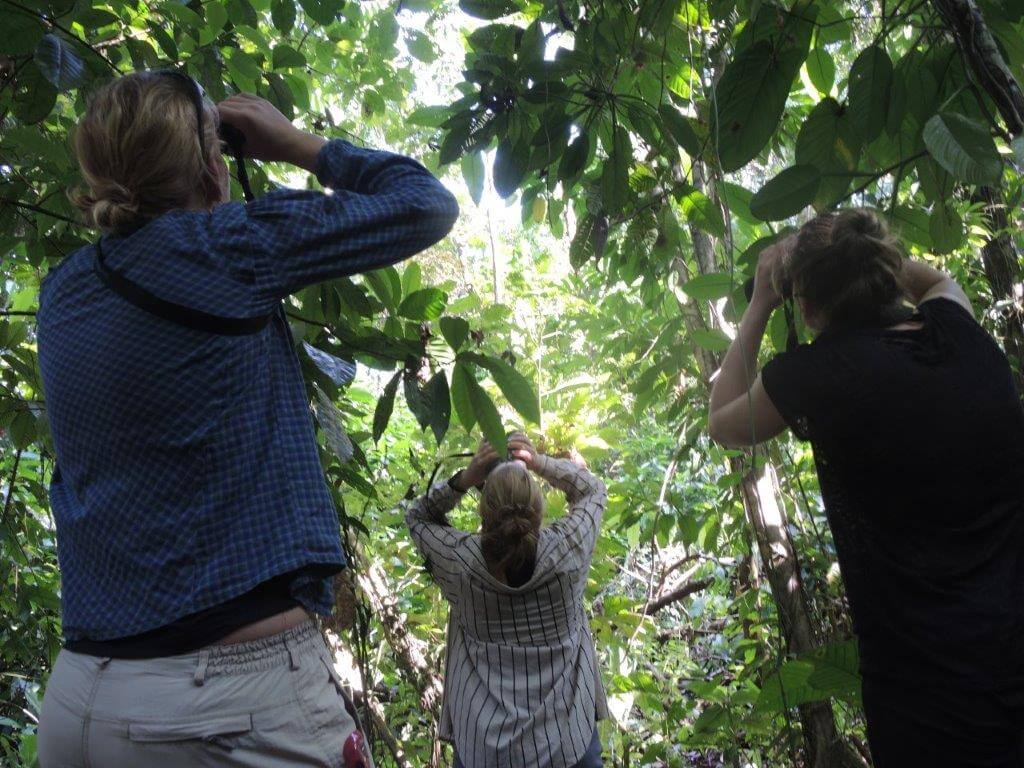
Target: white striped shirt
(522, 687)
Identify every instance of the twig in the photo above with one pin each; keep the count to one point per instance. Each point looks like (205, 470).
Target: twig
(676, 595)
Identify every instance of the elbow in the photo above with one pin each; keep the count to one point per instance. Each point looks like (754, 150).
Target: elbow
(719, 432)
(439, 215)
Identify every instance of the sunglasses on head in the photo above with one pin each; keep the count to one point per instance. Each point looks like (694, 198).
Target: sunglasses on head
(229, 134)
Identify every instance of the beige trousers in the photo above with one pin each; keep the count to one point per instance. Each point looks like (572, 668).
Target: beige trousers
(276, 702)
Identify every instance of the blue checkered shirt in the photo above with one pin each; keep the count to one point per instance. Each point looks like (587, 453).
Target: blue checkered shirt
(187, 468)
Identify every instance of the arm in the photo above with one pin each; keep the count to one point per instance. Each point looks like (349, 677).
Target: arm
(428, 524)
(434, 538)
(923, 283)
(384, 207)
(740, 412)
(585, 493)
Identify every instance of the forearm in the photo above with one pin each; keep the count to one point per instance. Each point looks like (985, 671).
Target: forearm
(918, 279)
(304, 149)
(739, 368)
(570, 478)
(434, 506)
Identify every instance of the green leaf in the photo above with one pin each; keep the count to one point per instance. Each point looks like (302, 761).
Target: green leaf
(473, 172)
(751, 99)
(912, 226)
(420, 46)
(429, 116)
(216, 17)
(787, 194)
(417, 400)
(835, 670)
(424, 304)
(439, 398)
(282, 13)
(519, 392)
(385, 405)
(821, 69)
(964, 148)
(615, 176)
(20, 33)
(679, 128)
(509, 168)
(829, 141)
(386, 285)
(34, 95)
(486, 415)
(455, 331)
(489, 9)
(870, 81)
(331, 424)
(574, 159)
(714, 285)
(245, 72)
(286, 57)
(702, 212)
(58, 63)
(714, 339)
(946, 229)
(322, 11)
(23, 429)
(461, 375)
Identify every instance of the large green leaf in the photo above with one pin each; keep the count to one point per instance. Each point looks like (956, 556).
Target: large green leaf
(829, 141)
(870, 80)
(964, 148)
(679, 128)
(439, 399)
(714, 285)
(615, 176)
(486, 415)
(575, 157)
(282, 13)
(946, 229)
(473, 172)
(19, 33)
(787, 194)
(519, 392)
(701, 211)
(455, 331)
(34, 96)
(750, 100)
(385, 405)
(489, 9)
(424, 304)
(461, 376)
(821, 69)
(509, 168)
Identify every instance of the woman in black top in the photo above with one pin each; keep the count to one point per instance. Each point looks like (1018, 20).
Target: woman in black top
(918, 437)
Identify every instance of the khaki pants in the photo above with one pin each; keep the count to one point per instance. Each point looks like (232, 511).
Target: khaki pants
(270, 703)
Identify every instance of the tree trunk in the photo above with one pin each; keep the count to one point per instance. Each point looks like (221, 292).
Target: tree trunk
(964, 20)
(410, 651)
(999, 256)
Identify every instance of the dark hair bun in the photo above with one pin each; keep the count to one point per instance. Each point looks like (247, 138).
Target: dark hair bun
(847, 265)
(516, 526)
(859, 222)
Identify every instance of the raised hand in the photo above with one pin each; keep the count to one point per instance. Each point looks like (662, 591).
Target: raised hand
(269, 135)
(479, 466)
(521, 449)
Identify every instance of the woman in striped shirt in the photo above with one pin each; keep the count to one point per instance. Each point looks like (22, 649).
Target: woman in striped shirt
(522, 688)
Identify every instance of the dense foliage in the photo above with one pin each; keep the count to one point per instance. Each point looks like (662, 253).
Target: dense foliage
(647, 151)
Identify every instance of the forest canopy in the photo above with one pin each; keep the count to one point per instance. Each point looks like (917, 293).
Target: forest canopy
(620, 164)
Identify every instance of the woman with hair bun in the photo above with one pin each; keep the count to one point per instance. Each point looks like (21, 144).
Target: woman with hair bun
(918, 438)
(522, 686)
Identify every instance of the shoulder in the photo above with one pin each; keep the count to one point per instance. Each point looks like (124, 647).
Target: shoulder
(72, 265)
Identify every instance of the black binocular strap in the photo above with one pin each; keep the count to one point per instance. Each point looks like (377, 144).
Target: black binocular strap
(169, 310)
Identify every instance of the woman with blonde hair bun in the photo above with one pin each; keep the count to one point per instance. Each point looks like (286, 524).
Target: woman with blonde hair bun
(918, 438)
(522, 685)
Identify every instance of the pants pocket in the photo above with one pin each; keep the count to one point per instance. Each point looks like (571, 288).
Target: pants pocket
(214, 730)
